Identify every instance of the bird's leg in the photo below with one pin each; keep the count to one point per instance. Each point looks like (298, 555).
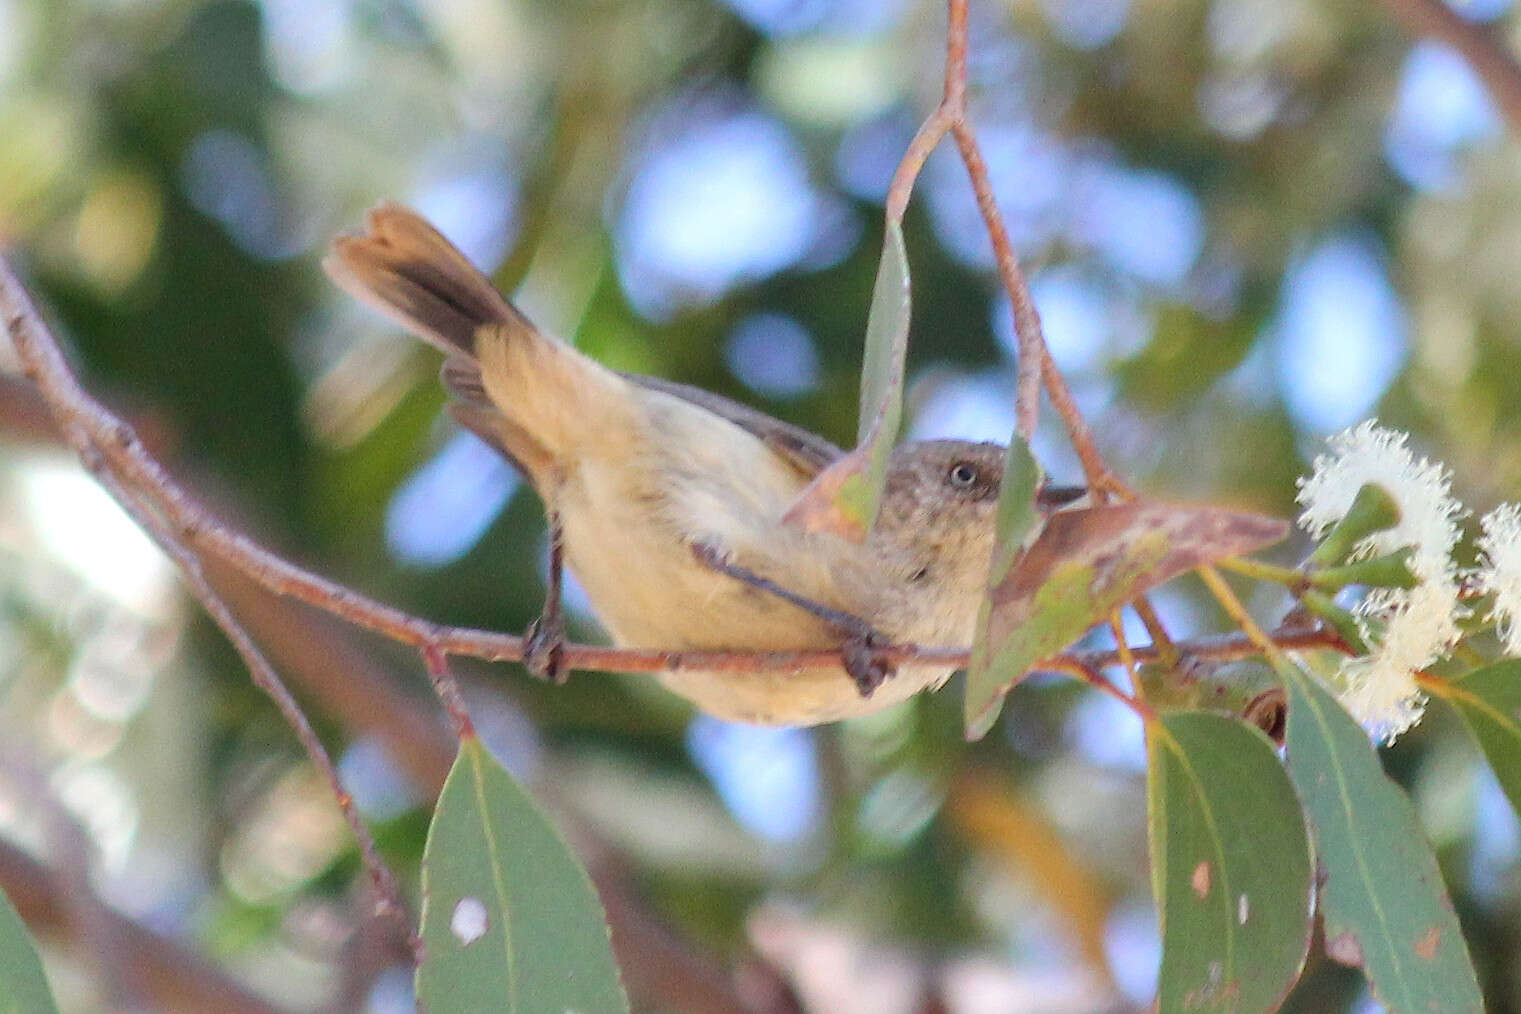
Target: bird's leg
(544, 640)
(860, 651)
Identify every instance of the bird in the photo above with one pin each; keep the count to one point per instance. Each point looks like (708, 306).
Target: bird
(669, 501)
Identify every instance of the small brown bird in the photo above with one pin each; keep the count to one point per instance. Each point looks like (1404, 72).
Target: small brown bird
(670, 500)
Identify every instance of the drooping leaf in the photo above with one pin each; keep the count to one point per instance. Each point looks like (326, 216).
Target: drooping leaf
(1230, 865)
(1489, 701)
(1018, 522)
(1386, 909)
(1083, 566)
(510, 920)
(844, 498)
(23, 987)
(1018, 516)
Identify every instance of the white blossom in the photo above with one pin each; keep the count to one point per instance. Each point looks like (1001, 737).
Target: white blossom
(1499, 571)
(1407, 629)
(1419, 626)
(1369, 453)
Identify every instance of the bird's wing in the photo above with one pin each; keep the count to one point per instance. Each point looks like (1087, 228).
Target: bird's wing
(804, 451)
(807, 452)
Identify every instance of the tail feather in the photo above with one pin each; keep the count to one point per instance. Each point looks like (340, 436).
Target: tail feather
(403, 267)
(536, 397)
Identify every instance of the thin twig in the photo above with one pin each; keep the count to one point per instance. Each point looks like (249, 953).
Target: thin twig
(1094, 677)
(946, 115)
(116, 440)
(1484, 51)
(447, 688)
(1127, 657)
(43, 364)
(1157, 631)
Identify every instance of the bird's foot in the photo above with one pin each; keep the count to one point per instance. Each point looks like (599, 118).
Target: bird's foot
(861, 652)
(544, 649)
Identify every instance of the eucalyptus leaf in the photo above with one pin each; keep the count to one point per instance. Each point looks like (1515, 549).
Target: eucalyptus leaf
(1018, 522)
(1386, 909)
(1084, 565)
(510, 921)
(1489, 701)
(845, 497)
(23, 987)
(1230, 865)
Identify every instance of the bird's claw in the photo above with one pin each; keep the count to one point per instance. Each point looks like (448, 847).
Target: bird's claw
(864, 663)
(544, 650)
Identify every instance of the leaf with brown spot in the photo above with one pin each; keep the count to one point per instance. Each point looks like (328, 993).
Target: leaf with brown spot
(1083, 566)
(838, 500)
(1383, 898)
(1200, 880)
(1344, 949)
(1230, 865)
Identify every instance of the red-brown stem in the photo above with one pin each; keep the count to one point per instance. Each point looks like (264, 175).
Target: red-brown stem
(43, 364)
(128, 459)
(447, 688)
(950, 110)
(1094, 677)
(1035, 364)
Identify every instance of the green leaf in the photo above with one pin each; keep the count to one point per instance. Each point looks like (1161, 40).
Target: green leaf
(1084, 565)
(510, 921)
(23, 987)
(1230, 865)
(1489, 701)
(1018, 522)
(1385, 906)
(1018, 517)
(845, 497)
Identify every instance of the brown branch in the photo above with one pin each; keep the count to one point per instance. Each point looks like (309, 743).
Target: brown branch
(204, 531)
(1035, 365)
(89, 433)
(1484, 51)
(124, 457)
(156, 967)
(328, 666)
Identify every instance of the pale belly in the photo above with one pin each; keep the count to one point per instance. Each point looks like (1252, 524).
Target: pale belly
(806, 697)
(649, 591)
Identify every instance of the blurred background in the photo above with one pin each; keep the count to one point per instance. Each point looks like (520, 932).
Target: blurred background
(1247, 223)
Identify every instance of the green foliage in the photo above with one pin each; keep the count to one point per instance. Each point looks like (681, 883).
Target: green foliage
(510, 920)
(23, 987)
(1230, 865)
(1489, 700)
(845, 497)
(232, 356)
(1383, 900)
(1084, 565)
(1018, 521)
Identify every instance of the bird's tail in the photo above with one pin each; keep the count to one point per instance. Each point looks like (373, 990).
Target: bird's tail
(403, 267)
(555, 405)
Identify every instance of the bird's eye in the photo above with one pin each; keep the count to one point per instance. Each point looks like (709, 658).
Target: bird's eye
(962, 475)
